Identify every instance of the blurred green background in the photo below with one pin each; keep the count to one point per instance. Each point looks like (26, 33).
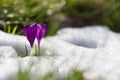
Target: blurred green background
(59, 13)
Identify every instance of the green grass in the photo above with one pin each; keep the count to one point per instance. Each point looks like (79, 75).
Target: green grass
(75, 75)
(10, 30)
(20, 12)
(26, 75)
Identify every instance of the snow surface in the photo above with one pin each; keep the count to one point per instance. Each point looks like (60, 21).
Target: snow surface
(94, 50)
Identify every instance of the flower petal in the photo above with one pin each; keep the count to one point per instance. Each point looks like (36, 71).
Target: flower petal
(30, 32)
(40, 33)
(34, 31)
(26, 29)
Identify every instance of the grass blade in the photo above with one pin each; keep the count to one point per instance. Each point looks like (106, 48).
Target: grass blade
(14, 29)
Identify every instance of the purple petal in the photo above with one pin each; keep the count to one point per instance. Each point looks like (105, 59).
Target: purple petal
(40, 33)
(34, 31)
(30, 32)
(26, 29)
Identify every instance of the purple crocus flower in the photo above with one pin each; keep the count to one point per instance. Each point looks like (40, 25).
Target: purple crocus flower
(34, 31)
(40, 33)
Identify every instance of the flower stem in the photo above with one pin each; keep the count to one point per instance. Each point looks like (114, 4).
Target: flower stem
(37, 50)
(26, 50)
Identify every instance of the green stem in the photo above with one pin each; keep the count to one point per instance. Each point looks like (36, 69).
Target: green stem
(37, 51)
(26, 50)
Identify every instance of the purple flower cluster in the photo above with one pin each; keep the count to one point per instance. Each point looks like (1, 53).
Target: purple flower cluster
(34, 31)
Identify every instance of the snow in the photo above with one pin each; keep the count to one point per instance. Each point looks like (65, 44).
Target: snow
(15, 41)
(94, 50)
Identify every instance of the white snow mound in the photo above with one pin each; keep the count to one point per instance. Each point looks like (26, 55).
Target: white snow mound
(94, 50)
